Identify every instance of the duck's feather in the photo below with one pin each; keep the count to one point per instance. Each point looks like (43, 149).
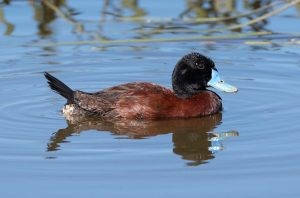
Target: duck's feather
(131, 98)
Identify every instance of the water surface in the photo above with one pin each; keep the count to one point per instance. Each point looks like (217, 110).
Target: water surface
(251, 149)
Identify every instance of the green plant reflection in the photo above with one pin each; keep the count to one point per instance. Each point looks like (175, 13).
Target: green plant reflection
(44, 15)
(196, 16)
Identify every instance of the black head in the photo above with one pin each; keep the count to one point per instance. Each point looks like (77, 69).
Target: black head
(191, 74)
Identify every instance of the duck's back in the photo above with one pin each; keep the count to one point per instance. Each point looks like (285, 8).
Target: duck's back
(131, 100)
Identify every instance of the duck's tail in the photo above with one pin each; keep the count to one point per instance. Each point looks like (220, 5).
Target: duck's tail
(60, 87)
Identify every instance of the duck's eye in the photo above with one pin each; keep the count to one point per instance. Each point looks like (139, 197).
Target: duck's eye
(199, 66)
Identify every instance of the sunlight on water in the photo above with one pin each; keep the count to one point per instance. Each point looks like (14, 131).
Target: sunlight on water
(251, 146)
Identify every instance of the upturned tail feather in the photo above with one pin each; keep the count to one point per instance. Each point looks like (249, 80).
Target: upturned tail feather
(60, 87)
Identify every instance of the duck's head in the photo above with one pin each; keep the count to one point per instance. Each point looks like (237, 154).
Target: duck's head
(194, 73)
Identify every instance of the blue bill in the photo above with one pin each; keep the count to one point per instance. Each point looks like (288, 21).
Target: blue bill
(218, 83)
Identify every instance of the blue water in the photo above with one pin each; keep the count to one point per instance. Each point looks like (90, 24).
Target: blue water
(256, 150)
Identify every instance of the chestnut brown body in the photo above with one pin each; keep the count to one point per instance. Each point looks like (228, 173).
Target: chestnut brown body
(146, 101)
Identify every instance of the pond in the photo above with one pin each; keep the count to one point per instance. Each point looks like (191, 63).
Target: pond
(250, 149)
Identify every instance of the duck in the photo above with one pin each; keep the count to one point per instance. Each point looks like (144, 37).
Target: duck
(188, 98)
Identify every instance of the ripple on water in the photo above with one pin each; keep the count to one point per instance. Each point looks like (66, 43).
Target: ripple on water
(259, 112)
(265, 112)
(26, 108)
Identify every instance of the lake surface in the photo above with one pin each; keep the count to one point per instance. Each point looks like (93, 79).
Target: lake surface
(251, 149)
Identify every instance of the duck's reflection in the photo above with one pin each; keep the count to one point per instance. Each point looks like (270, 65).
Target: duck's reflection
(193, 139)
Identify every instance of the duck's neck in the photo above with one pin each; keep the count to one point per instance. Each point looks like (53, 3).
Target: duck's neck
(185, 90)
(201, 104)
(185, 94)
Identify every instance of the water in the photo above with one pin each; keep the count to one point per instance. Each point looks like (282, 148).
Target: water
(251, 149)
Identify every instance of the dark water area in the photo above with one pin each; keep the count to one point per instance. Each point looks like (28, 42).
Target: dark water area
(250, 149)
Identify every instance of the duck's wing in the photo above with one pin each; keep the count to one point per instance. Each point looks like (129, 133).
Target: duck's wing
(122, 100)
(105, 101)
(93, 103)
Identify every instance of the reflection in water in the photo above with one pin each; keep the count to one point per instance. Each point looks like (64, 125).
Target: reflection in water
(122, 8)
(45, 15)
(9, 26)
(46, 11)
(256, 5)
(193, 139)
(204, 9)
(133, 5)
